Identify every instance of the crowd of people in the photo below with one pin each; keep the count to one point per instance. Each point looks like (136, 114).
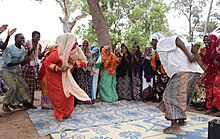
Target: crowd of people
(170, 72)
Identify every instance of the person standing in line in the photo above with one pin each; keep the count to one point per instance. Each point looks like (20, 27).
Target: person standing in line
(84, 75)
(124, 85)
(14, 56)
(107, 84)
(95, 73)
(147, 75)
(33, 48)
(136, 65)
(180, 63)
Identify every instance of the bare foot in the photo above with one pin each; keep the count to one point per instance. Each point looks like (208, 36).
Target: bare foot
(217, 114)
(173, 129)
(5, 108)
(182, 123)
(60, 120)
(68, 117)
(210, 111)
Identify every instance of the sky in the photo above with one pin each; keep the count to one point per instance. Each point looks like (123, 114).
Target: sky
(29, 15)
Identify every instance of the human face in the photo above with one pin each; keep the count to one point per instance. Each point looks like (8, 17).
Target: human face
(207, 41)
(20, 40)
(135, 48)
(36, 38)
(123, 49)
(147, 50)
(108, 51)
(85, 44)
(154, 44)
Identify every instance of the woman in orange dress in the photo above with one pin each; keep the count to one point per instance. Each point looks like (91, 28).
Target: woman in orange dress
(60, 84)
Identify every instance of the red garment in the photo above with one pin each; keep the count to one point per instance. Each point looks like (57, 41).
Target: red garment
(211, 78)
(63, 106)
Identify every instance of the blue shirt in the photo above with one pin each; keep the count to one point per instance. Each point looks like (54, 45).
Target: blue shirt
(12, 54)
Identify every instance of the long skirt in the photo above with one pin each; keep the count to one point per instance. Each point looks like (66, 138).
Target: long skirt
(107, 87)
(212, 86)
(199, 95)
(95, 79)
(124, 87)
(178, 94)
(84, 80)
(45, 100)
(136, 87)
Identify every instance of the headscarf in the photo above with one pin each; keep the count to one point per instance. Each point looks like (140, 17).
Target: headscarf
(125, 65)
(70, 87)
(137, 66)
(158, 36)
(94, 48)
(109, 61)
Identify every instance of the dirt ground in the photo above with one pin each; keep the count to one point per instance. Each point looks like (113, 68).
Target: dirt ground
(17, 125)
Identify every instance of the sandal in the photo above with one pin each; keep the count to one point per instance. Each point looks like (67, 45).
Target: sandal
(5, 108)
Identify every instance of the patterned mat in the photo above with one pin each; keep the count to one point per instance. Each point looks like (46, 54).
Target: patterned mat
(148, 128)
(98, 114)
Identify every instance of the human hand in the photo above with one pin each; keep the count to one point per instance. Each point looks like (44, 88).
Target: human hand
(64, 69)
(3, 27)
(195, 49)
(10, 32)
(191, 58)
(145, 55)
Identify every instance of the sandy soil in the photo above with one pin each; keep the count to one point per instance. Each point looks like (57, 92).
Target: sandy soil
(17, 125)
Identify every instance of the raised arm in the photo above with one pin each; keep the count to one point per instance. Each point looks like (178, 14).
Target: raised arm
(10, 32)
(181, 45)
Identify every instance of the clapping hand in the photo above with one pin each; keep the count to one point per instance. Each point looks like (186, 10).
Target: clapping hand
(3, 27)
(10, 32)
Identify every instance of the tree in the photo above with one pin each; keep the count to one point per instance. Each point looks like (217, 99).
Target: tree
(68, 8)
(130, 21)
(207, 21)
(211, 26)
(99, 23)
(192, 10)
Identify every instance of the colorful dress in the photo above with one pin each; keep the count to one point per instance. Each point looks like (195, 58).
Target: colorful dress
(45, 101)
(107, 84)
(160, 78)
(211, 79)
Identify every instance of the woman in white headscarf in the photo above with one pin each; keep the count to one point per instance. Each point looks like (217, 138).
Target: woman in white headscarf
(180, 63)
(60, 84)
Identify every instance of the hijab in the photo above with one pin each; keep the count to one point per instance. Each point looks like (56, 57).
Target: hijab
(109, 61)
(66, 43)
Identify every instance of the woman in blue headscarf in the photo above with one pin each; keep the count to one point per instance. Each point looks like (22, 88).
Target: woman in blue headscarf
(95, 74)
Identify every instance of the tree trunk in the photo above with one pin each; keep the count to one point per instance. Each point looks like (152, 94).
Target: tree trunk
(190, 24)
(99, 22)
(207, 21)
